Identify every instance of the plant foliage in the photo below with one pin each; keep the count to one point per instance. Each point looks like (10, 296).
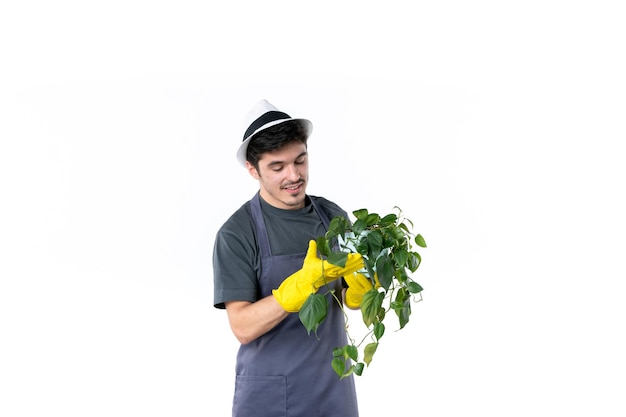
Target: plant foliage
(388, 247)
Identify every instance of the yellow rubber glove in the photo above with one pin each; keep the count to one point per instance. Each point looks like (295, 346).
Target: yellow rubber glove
(296, 288)
(358, 285)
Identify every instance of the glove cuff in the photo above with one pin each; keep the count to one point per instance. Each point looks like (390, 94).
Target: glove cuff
(289, 304)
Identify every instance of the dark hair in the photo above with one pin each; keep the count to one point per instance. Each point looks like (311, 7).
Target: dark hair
(273, 138)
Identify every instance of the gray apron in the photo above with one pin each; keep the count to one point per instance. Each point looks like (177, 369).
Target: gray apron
(286, 372)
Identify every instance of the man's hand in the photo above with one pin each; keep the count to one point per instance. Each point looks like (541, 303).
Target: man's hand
(358, 285)
(315, 273)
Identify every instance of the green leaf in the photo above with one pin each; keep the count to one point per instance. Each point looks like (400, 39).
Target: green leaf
(368, 352)
(337, 226)
(404, 227)
(379, 330)
(381, 315)
(358, 368)
(348, 372)
(338, 352)
(414, 287)
(401, 256)
(323, 246)
(401, 275)
(389, 242)
(403, 315)
(373, 219)
(339, 366)
(369, 266)
(402, 306)
(375, 243)
(313, 312)
(414, 261)
(359, 226)
(338, 258)
(352, 352)
(363, 249)
(371, 305)
(384, 271)
(389, 219)
(419, 241)
(360, 214)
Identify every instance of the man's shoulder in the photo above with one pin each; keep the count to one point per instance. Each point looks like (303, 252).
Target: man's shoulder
(330, 207)
(239, 219)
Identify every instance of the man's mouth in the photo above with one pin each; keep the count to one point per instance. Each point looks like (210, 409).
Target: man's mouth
(293, 187)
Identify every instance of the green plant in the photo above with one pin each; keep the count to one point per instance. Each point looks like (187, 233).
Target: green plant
(387, 245)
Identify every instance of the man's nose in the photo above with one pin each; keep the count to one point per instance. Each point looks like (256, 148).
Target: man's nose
(292, 172)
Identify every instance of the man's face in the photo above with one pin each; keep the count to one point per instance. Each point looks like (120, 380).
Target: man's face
(283, 176)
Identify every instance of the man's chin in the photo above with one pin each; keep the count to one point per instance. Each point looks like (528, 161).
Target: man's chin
(295, 201)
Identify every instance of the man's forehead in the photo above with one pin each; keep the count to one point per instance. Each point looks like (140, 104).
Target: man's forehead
(286, 154)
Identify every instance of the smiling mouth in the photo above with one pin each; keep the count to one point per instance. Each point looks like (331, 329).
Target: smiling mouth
(293, 187)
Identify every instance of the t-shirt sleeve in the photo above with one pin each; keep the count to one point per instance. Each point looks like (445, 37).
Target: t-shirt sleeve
(235, 264)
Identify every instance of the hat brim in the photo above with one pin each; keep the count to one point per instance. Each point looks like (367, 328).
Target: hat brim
(243, 148)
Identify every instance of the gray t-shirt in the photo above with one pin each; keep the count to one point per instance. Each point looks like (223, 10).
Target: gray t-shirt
(236, 258)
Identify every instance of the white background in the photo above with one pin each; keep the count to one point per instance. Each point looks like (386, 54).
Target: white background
(497, 127)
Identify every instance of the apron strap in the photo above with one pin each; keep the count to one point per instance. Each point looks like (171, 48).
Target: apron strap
(257, 216)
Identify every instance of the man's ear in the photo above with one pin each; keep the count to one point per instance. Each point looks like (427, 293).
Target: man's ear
(252, 170)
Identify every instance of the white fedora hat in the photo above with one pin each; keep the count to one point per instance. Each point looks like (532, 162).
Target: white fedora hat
(262, 116)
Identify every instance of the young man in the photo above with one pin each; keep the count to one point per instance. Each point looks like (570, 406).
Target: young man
(265, 264)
